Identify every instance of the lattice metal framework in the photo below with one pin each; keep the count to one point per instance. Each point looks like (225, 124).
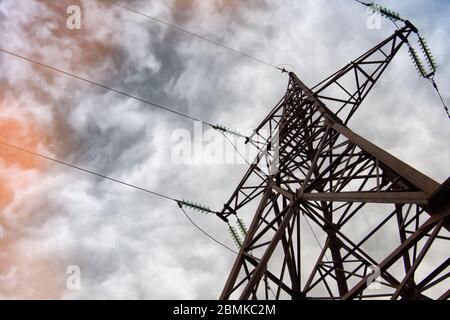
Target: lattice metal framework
(339, 211)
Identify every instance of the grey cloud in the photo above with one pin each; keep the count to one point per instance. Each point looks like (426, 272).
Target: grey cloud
(130, 245)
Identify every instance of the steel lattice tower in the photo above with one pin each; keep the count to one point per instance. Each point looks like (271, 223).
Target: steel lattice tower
(330, 179)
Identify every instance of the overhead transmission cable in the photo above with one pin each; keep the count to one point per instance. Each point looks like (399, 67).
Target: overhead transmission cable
(236, 149)
(222, 129)
(103, 86)
(86, 171)
(394, 17)
(181, 203)
(193, 34)
(315, 237)
(216, 127)
(206, 233)
(147, 102)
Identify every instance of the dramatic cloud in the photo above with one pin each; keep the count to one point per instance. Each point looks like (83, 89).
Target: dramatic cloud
(132, 245)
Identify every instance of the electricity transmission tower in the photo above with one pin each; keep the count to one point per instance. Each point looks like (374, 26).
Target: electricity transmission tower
(364, 214)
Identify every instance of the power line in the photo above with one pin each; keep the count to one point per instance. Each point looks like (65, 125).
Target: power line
(116, 181)
(206, 233)
(440, 96)
(314, 234)
(154, 193)
(152, 104)
(173, 26)
(236, 149)
(88, 171)
(149, 103)
(430, 76)
(366, 4)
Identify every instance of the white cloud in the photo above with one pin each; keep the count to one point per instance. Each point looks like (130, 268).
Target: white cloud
(131, 245)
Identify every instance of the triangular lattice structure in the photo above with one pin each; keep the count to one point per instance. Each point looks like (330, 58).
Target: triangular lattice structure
(372, 216)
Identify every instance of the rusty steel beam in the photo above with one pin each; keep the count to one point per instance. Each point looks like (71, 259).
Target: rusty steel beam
(328, 176)
(415, 177)
(260, 269)
(431, 223)
(370, 197)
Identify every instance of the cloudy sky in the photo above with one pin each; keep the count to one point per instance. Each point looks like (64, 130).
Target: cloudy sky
(129, 244)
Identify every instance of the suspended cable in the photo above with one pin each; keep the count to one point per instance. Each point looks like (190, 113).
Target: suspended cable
(314, 234)
(432, 67)
(416, 60)
(152, 104)
(366, 4)
(243, 157)
(433, 82)
(117, 4)
(385, 12)
(88, 171)
(181, 203)
(116, 181)
(236, 149)
(206, 233)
